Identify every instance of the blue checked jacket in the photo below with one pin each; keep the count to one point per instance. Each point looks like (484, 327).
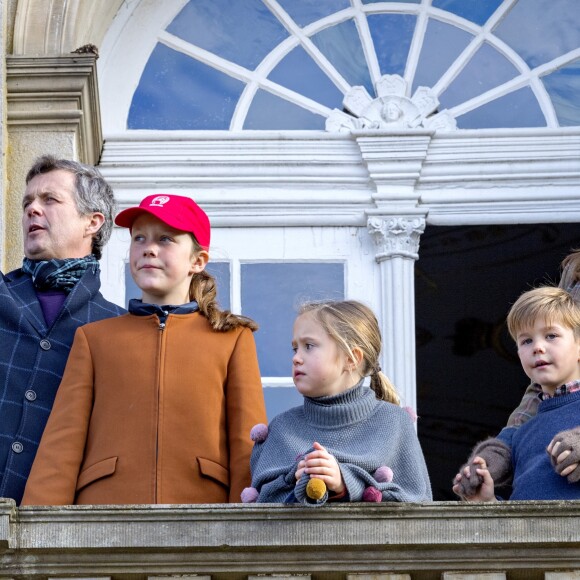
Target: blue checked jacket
(32, 361)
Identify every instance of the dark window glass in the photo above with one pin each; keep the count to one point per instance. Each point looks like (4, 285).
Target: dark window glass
(271, 294)
(517, 109)
(280, 399)
(466, 279)
(243, 32)
(392, 35)
(221, 272)
(298, 72)
(131, 289)
(178, 92)
(271, 112)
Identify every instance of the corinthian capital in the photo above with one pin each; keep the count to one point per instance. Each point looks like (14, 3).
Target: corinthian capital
(396, 235)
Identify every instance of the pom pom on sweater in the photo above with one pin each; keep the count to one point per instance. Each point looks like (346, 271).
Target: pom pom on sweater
(384, 474)
(249, 495)
(259, 433)
(316, 488)
(372, 494)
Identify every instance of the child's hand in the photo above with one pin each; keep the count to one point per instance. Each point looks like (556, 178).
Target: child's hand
(485, 492)
(321, 464)
(564, 452)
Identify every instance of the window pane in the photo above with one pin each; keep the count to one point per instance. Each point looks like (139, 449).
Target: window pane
(341, 45)
(486, 70)
(442, 44)
(131, 289)
(564, 89)
(221, 272)
(270, 112)
(271, 294)
(307, 11)
(392, 35)
(243, 32)
(477, 11)
(280, 399)
(518, 109)
(178, 92)
(408, 1)
(541, 30)
(297, 71)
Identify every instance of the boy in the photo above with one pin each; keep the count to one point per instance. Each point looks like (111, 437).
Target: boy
(545, 323)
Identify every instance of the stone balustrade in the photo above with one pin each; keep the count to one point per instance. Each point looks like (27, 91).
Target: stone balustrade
(446, 540)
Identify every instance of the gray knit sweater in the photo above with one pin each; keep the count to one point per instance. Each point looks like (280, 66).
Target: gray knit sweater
(361, 432)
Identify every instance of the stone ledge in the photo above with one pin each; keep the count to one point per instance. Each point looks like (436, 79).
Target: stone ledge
(523, 539)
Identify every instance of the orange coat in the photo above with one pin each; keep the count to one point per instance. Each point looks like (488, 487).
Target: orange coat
(145, 415)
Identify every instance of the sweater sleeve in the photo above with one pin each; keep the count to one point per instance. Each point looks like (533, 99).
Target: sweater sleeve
(55, 470)
(273, 477)
(245, 408)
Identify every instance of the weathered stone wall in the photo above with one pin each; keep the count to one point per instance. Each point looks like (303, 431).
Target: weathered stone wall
(453, 541)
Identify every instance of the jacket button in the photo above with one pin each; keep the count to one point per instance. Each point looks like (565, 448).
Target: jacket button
(17, 447)
(45, 344)
(30, 395)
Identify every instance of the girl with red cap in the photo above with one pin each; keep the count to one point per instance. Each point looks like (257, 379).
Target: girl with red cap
(155, 406)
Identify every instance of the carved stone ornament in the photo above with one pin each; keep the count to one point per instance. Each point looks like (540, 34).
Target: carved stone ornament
(390, 110)
(396, 236)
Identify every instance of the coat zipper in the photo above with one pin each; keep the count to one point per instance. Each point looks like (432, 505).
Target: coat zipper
(161, 327)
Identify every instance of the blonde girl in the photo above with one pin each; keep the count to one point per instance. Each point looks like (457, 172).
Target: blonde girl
(354, 439)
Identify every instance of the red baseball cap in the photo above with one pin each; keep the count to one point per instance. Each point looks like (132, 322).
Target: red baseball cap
(177, 211)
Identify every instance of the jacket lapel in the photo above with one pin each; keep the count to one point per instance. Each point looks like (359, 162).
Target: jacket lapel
(17, 287)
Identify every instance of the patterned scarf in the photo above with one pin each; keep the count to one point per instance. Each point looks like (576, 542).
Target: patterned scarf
(58, 274)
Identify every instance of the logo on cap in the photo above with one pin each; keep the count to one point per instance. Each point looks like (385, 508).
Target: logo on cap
(159, 201)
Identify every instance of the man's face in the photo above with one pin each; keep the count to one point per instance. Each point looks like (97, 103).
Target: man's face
(51, 224)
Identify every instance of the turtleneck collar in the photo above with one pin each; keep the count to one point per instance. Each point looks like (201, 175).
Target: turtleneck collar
(350, 406)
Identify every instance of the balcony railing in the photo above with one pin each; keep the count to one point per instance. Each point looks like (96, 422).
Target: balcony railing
(512, 540)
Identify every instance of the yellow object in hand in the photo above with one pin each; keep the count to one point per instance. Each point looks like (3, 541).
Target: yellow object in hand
(315, 489)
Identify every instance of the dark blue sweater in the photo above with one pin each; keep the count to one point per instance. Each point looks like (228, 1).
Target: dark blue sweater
(534, 476)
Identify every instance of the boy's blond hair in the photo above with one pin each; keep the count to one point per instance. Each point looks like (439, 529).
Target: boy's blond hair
(550, 304)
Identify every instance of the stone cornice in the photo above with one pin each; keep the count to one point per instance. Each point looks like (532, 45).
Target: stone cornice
(56, 94)
(314, 178)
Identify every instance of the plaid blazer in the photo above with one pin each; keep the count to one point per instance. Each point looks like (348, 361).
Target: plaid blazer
(32, 361)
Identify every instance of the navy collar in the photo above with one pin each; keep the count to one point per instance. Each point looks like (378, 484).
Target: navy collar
(140, 308)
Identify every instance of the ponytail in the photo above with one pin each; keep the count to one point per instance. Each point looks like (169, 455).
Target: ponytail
(203, 290)
(383, 388)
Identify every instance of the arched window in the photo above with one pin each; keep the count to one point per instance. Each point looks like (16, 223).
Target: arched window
(286, 64)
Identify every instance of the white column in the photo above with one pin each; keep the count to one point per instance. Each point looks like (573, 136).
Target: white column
(397, 241)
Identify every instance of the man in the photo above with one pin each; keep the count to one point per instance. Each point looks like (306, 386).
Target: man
(67, 219)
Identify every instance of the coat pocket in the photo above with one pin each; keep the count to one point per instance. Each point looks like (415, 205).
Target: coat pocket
(213, 470)
(96, 471)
